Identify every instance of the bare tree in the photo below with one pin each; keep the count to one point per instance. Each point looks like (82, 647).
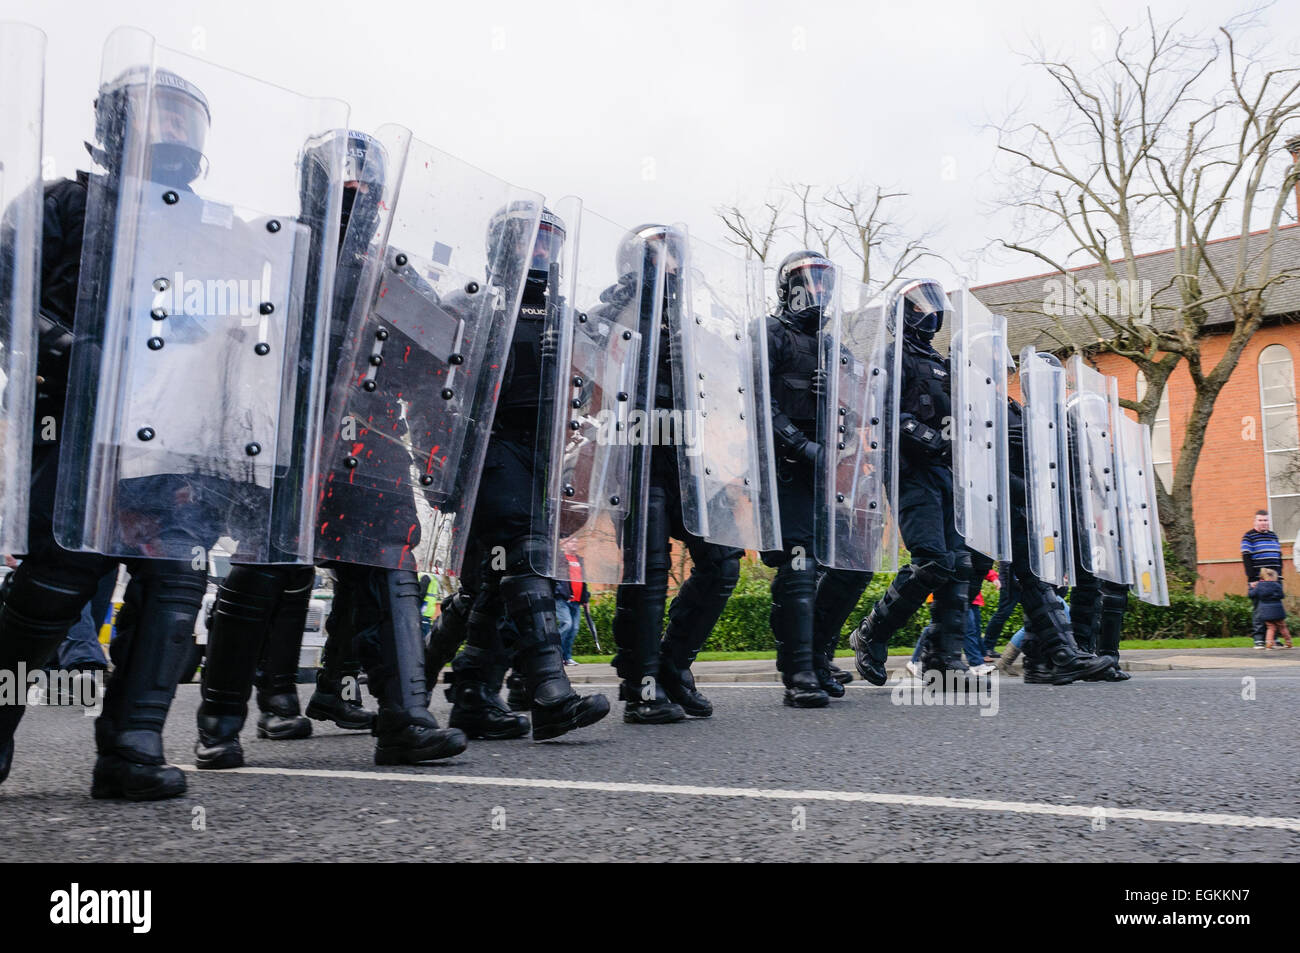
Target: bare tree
(1171, 140)
(854, 218)
(870, 235)
(756, 232)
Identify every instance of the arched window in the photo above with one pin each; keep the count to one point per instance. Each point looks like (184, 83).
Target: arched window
(1281, 439)
(1162, 448)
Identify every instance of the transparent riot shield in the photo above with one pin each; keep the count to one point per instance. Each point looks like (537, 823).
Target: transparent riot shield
(980, 475)
(430, 278)
(857, 426)
(22, 77)
(1096, 499)
(1142, 536)
(1047, 474)
(718, 334)
(592, 459)
(210, 239)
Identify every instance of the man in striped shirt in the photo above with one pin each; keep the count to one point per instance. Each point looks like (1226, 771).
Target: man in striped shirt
(1260, 549)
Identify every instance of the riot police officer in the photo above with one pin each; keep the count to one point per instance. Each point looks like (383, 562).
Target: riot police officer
(505, 542)
(807, 612)
(266, 606)
(654, 661)
(49, 588)
(940, 560)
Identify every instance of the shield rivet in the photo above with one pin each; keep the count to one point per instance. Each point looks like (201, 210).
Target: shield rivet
(871, 505)
(577, 380)
(350, 463)
(839, 497)
(990, 497)
(252, 449)
(145, 433)
(171, 198)
(874, 445)
(155, 344)
(582, 318)
(575, 425)
(161, 284)
(369, 386)
(381, 334)
(844, 360)
(158, 314)
(708, 471)
(627, 335)
(875, 421)
(575, 403)
(447, 393)
(746, 481)
(261, 349)
(622, 395)
(376, 359)
(613, 501)
(400, 260)
(273, 226)
(742, 416)
(471, 288)
(266, 307)
(456, 359)
(425, 479)
(569, 490)
(840, 445)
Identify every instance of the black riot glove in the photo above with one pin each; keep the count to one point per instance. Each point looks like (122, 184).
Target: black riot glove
(811, 452)
(922, 437)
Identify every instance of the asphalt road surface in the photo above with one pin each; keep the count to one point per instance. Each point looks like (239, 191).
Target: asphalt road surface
(1169, 766)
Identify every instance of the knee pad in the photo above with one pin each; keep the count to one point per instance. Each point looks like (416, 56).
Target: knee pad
(720, 565)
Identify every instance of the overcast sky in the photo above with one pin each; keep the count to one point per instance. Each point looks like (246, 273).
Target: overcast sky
(651, 110)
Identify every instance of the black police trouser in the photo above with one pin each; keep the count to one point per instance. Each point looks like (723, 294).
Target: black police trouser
(940, 563)
(154, 630)
(507, 550)
(639, 632)
(810, 602)
(1045, 620)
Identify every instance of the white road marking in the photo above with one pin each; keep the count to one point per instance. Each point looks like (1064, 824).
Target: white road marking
(778, 794)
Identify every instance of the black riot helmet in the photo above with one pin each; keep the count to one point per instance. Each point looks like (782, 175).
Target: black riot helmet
(364, 169)
(662, 242)
(805, 284)
(365, 166)
(170, 116)
(509, 231)
(925, 306)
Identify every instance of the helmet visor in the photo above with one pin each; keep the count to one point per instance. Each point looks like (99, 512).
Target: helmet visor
(925, 307)
(547, 248)
(177, 119)
(812, 286)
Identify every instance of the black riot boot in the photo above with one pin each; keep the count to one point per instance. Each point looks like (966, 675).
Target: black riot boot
(153, 643)
(1054, 640)
(1038, 668)
(478, 670)
(277, 684)
(794, 594)
(241, 619)
(556, 708)
(517, 698)
(28, 643)
(905, 595)
(694, 612)
(838, 593)
(407, 733)
(1085, 609)
(447, 634)
(337, 697)
(944, 650)
(1114, 603)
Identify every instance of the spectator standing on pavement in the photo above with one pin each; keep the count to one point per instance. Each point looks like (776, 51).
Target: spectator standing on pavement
(571, 595)
(1008, 599)
(1268, 598)
(1260, 549)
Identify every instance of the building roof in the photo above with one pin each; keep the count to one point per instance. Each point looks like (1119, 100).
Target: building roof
(1025, 301)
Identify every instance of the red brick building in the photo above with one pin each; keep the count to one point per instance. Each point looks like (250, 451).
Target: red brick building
(1251, 457)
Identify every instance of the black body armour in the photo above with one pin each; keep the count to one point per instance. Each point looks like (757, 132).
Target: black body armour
(795, 355)
(521, 386)
(926, 397)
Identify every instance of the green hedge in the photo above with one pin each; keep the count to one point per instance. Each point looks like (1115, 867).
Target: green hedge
(744, 625)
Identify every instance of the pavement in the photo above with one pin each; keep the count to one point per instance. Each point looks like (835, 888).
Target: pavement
(1180, 764)
(1137, 660)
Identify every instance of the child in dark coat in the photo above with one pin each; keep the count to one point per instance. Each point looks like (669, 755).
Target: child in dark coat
(1268, 592)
